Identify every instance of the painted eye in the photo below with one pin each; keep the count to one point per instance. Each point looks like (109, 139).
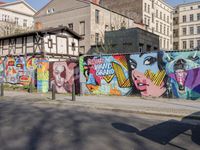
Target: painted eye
(150, 60)
(133, 64)
(193, 58)
(86, 73)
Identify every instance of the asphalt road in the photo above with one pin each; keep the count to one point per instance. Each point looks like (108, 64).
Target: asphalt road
(26, 126)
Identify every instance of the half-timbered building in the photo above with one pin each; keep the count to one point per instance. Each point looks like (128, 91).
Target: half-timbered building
(55, 44)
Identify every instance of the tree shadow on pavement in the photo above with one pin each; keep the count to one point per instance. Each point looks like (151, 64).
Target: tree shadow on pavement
(164, 132)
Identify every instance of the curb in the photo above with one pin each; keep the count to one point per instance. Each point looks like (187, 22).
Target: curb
(110, 108)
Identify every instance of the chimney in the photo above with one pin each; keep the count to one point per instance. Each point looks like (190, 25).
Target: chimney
(95, 1)
(38, 26)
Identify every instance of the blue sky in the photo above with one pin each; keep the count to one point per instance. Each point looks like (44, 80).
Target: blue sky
(37, 4)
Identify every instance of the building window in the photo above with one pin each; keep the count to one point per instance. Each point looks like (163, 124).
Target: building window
(164, 17)
(96, 38)
(191, 17)
(50, 11)
(184, 31)
(82, 28)
(164, 43)
(106, 27)
(167, 44)
(50, 43)
(25, 23)
(164, 29)
(152, 4)
(167, 31)
(175, 32)
(152, 17)
(184, 18)
(175, 45)
(73, 46)
(160, 15)
(145, 7)
(148, 8)
(157, 26)
(191, 8)
(161, 43)
(160, 28)
(198, 16)
(97, 16)
(184, 44)
(157, 13)
(16, 20)
(148, 22)
(191, 30)
(71, 26)
(192, 44)
(198, 43)
(198, 29)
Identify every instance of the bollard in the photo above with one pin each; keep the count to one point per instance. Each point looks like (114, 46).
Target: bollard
(2, 90)
(53, 92)
(73, 92)
(30, 88)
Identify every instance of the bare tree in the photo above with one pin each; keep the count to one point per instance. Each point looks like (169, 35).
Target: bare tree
(7, 28)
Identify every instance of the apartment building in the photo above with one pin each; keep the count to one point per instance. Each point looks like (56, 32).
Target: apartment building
(15, 16)
(84, 17)
(187, 26)
(156, 14)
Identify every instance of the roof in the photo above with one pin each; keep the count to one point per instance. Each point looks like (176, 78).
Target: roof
(43, 31)
(94, 2)
(189, 3)
(2, 4)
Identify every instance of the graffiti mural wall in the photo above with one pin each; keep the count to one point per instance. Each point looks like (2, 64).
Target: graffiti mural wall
(183, 71)
(105, 75)
(43, 75)
(1, 70)
(63, 75)
(155, 74)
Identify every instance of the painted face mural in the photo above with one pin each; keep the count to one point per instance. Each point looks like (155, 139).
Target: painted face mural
(184, 73)
(146, 75)
(22, 73)
(106, 75)
(64, 75)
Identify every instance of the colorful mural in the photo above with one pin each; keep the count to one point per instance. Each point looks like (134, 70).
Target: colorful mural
(10, 70)
(63, 75)
(106, 75)
(146, 73)
(155, 74)
(183, 70)
(16, 71)
(1, 70)
(43, 75)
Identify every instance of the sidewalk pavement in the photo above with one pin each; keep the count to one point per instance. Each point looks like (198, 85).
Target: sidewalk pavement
(153, 106)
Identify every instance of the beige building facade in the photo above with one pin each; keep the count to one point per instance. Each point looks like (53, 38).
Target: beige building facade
(156, 14)
(84, 17)
(15, 16)
(187, 26)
